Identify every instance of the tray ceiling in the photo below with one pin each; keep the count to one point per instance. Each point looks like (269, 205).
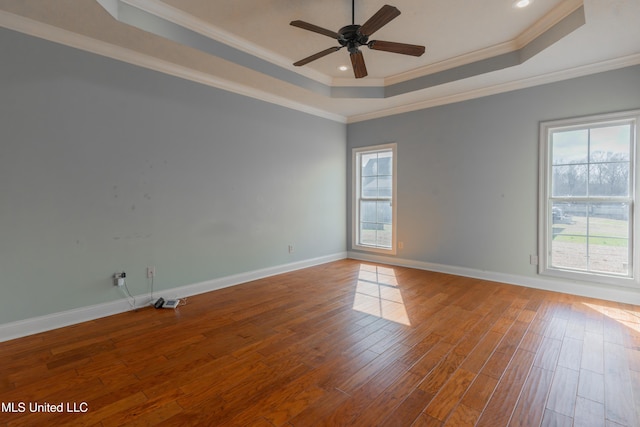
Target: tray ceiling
(472, 48)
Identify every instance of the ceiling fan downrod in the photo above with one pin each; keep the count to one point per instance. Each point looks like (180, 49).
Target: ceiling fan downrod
(353, 12)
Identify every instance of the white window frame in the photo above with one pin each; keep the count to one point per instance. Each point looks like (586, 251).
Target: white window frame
(545, 215)
(356, 197)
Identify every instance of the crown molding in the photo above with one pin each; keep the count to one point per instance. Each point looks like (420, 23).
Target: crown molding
(447, 64)
(544, 24)
(351, 82)
(78, 41)
(571, 73)
(547, 22)
(183, 19)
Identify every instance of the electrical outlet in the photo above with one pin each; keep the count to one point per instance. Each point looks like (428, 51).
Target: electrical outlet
(118, 279)
(533, 259)
(291, 249)
(400, 245)
(151, 272)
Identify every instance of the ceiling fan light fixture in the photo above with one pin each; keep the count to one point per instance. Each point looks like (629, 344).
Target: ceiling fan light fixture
(343, 68)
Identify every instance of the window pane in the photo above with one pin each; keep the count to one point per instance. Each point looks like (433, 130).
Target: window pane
(569, 181)
(609, 237)
(609, 179)
(368, 211)
(385, 163)
(611, 141)
(570, 147)
(369, 186)
(369, 164)
(376, 187)
(372, 234)
(384, 212)
(384, 237)
(609, 158)
(384, 186)
(569, 235)
(375, 226)
(591, 237)
(368, 233)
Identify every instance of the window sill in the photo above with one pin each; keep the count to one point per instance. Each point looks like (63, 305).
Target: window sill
(373, 249)
(587, 278)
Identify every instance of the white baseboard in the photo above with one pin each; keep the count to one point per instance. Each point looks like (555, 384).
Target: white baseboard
(48, 322)
(236, 279)
(22, 328)
(590, 290)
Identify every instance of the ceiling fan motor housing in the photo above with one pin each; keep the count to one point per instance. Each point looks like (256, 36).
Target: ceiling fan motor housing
(351, 38)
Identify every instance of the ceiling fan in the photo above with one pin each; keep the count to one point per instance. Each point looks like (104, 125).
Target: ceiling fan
(353, 36)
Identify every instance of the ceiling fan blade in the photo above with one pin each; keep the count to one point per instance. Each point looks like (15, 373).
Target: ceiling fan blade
(316, 56)
(315, 29)
(402, 48)
(379, 20)
(357, 61)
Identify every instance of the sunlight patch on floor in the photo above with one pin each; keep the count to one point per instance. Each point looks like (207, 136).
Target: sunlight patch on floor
(629, 318)
(377, 293)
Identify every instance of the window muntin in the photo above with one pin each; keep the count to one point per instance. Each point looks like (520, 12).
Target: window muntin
(589, 198)
(374, 198)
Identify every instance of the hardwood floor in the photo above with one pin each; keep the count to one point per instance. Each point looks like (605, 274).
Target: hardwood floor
(346, 343)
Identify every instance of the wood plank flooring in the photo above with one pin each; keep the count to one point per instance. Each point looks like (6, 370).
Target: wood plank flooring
(342, 344)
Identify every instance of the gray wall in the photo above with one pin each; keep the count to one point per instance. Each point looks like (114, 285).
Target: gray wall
(105, 167)
(468, 172)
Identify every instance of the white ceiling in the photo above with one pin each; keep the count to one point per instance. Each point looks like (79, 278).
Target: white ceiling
(473, 48)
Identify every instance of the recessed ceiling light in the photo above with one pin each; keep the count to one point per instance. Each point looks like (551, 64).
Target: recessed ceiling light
(343, 68)
(522, 3)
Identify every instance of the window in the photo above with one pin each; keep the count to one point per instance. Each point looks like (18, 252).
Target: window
(587, 200)
(374, 207)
